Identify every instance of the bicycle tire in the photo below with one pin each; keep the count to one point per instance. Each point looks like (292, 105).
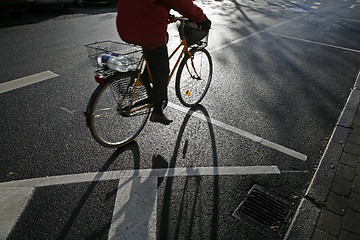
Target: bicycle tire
(190, 87)
(110, 123)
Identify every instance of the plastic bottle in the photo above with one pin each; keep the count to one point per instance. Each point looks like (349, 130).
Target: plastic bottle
(102, 59)
(117, 62)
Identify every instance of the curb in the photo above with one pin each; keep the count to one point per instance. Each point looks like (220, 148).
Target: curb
(306, 215)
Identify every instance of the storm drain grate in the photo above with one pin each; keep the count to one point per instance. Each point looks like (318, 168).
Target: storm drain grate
(266, 208)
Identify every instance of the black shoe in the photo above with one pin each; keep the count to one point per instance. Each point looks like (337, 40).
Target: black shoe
(161, 118)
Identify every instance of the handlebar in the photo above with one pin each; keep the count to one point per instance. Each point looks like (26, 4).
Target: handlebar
(174, 19)
(182, 18)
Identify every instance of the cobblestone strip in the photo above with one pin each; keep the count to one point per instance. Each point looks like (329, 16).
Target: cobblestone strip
(330, 208)
(341, 217)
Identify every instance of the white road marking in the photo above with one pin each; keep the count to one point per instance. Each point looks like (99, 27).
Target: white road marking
(142, 173)
(67, 110)
(13, 201)
(250, 36)
(242, 133)
(25, 81)
(132, 183)
(135, 207)
(295, 171)
(134, 214)
(133, 222)
(318, 43)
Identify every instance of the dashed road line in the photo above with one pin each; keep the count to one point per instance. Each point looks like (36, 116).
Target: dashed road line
(242, 133)
(25, 81)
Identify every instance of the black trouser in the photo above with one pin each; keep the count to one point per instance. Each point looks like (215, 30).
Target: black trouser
(159, 68)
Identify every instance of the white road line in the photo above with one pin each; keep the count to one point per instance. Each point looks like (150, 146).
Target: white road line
(133, 222)
(67, 110)
(12, 203)
(142, 173)
(135, 207)
(242, 133)
(25, 81)
(134, 214)
(295, 171)
(250, 36)
(319, 43)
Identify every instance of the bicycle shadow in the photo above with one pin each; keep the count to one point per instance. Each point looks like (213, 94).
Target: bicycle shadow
(135, 211)
(164, 229)
(67, 229)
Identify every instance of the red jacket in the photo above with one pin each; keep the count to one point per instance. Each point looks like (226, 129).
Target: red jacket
(144, 22)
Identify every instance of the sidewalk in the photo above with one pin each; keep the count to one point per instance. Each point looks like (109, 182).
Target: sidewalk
(341, 217)
(331, 206)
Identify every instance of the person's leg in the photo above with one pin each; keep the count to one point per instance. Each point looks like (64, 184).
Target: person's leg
(159, 68)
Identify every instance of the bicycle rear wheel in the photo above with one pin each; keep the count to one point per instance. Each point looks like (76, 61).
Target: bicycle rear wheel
(194, 77)
(113, 120)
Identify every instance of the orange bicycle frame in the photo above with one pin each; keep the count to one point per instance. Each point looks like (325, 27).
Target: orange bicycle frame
(143, 61)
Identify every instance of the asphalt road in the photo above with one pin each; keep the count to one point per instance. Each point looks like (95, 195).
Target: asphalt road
(282, 74)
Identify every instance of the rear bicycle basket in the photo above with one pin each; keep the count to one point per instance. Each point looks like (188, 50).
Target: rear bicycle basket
(95, 50)
(193, 34)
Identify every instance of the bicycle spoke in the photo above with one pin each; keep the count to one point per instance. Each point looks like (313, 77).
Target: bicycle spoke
(194, 77)
(114, 120)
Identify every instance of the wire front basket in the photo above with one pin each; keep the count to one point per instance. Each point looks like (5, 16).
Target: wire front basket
(193, 34)
(95, 50)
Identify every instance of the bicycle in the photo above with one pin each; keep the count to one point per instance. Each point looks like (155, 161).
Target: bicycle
(120, 106)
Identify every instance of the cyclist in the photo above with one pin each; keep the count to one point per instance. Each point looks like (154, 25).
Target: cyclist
(144, 22)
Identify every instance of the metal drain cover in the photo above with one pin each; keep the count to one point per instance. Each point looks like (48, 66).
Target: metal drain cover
(265, 208)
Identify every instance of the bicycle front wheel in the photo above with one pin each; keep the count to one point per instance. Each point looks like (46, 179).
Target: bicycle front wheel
(193, 77)
(113, 119)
